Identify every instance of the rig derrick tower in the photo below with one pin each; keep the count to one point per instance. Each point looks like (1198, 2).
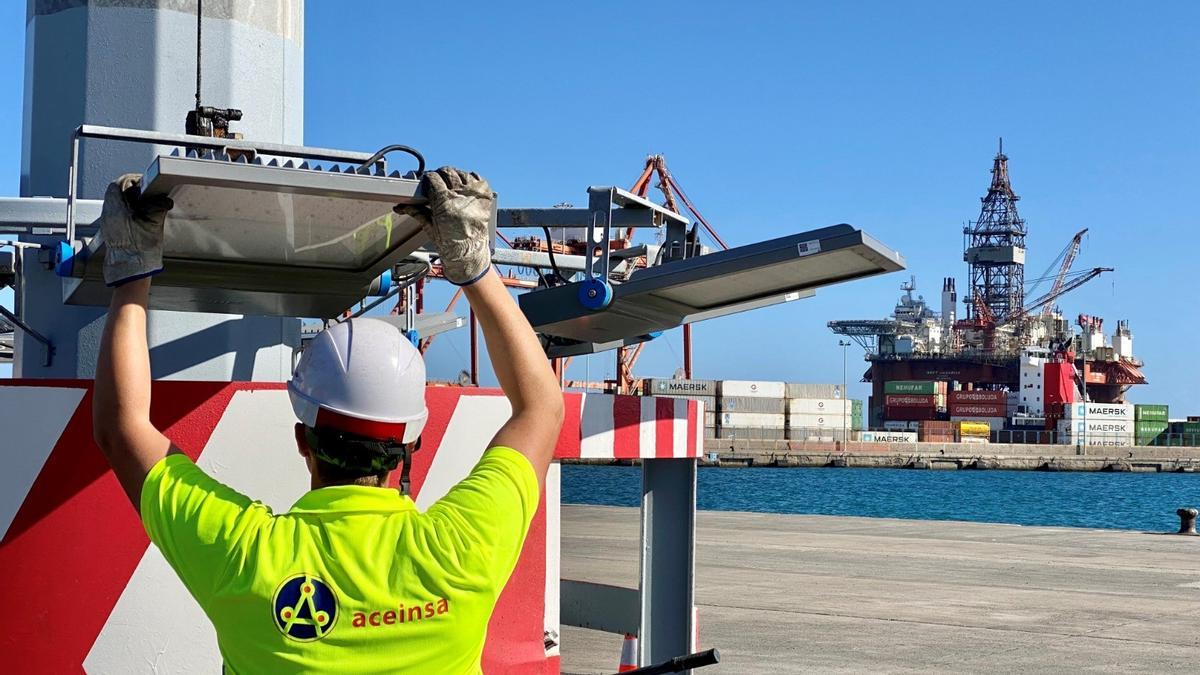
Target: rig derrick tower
(995, 250)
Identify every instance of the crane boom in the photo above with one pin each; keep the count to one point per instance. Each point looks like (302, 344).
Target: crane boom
(1068, 259)
(1061, 289)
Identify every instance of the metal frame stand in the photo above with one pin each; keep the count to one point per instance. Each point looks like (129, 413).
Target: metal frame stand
(668, 559)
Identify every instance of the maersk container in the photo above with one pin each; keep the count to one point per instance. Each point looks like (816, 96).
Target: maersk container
(753, 388)
(1106, 411)
(819, 406)
(887, 436)
(1150, 412)
(919, 387)
(763, 420)
(710, 402)
(800, 390)
(668, 387)
(752, 404)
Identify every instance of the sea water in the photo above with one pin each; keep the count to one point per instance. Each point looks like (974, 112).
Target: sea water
(1127, 501)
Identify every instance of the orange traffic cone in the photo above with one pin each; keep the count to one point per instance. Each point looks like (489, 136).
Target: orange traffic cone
(628, 654)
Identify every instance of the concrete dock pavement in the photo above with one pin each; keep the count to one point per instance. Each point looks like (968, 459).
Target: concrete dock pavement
(802, 594)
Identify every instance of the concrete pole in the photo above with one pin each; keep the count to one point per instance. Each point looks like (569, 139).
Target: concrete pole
(132, 63)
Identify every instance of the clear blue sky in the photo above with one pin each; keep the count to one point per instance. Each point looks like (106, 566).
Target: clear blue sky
(780, 117)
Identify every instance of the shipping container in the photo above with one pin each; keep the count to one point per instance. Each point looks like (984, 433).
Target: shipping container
(856, 414)
(658, 386)
(800, 390)
(895, 425)
(1108, 411)
(1096, 426)
(710, 418)
(1150, 427)
(818, 421)
(819, 406)
(978, 409)
(919, 387)
(979, 396)
(994, 423)
(753, 388)
(1099, 440)
(910, 401)
(751, 433)
(980, 429)
(1150, 412)
(886, 437)
(910, 414)
(752, 404)
(763, 420)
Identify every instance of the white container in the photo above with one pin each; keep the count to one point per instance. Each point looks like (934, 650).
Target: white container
(799, 390)
(1105, 411)
(753, 420)
(819, 421)
(752, 404)
(753, 388)
(819, 406)
(751, 433)
(1098, 440)
(887, 437)
(1095, 426)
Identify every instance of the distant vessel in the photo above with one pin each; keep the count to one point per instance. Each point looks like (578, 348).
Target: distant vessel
(1001, 335)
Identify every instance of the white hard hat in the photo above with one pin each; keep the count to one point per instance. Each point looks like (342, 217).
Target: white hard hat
(362, 377)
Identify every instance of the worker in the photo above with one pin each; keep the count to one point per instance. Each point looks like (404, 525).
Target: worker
(353, 578)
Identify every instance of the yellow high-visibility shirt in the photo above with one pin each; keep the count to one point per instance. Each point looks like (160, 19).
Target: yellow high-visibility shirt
(352, 579)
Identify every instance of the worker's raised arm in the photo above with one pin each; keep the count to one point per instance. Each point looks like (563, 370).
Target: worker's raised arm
(132, 232)
(460, 207)
(523, 372)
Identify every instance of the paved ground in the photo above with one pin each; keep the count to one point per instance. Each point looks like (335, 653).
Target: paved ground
(783, 593)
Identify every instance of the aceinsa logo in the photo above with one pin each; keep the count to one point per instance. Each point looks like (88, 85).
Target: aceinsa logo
(401, 614)
(306, 608)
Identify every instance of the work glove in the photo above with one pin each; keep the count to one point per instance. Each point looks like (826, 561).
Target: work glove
(456, 219)
(132, 230)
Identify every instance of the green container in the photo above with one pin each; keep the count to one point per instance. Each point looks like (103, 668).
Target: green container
(1150, 412)
(1145, 427)
(1185, 428)
(910, 387)
(1148, 439)
(856, 415)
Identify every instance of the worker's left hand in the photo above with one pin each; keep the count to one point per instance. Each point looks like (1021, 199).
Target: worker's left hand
(457, 219)
(132, 230)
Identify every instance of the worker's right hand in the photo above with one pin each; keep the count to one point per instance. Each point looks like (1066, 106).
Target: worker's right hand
(132, 230)
(456, 219)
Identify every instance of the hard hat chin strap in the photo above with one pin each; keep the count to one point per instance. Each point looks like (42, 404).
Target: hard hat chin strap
(406, 463)
(358, 454)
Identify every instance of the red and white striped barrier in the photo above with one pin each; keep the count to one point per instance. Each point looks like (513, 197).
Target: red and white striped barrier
(84, 591)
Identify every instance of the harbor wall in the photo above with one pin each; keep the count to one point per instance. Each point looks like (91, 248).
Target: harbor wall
(978, 456)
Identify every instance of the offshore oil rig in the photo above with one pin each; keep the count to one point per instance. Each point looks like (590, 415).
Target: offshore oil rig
(1003, 342)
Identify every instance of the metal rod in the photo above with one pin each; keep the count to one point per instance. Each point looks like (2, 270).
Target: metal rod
(474, 349)
(74, 179)
(16, 321)
(687, 351)
(120, 134)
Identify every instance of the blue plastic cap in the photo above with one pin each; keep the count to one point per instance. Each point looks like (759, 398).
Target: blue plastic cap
(595, 294)
(64, 259)
(385, 282)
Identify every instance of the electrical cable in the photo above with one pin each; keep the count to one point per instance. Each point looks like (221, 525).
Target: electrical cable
(553, 263)
(397, 148)
(199, 29)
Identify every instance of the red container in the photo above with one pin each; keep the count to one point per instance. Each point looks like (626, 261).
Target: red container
(979, 396)
(978, 409)
(910, 401)
(937, 426)
(909, 413)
